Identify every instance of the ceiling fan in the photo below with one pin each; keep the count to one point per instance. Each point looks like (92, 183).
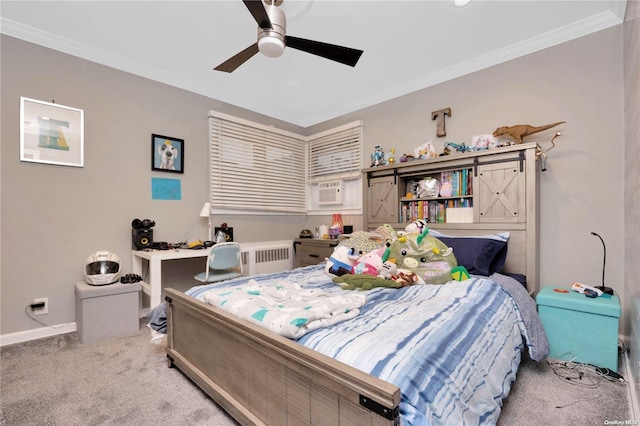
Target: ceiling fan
(272, 39)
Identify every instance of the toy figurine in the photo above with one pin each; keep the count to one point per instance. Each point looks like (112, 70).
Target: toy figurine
(391, 156)
(520, 131)
(377, 158)
(457, 146)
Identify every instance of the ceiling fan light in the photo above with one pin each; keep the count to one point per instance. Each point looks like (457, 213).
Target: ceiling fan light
(271, 47)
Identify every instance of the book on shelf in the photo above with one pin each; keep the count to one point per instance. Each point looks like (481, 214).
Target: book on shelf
(437, 210)
(455, 193)
(446, 185)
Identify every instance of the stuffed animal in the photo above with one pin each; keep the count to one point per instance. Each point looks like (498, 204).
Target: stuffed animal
(406, 278)
(363, 241)
(460, 273)
(363, 282)
(386, 232)
(341, 261)
(425, 255)
(370, 263)
(416, 227)
(388, 270)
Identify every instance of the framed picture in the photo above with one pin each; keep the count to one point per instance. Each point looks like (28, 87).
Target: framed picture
(167, 154)
(51, 133)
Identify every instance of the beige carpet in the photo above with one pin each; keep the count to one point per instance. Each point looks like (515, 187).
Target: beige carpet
(119, 381)
(125, 381)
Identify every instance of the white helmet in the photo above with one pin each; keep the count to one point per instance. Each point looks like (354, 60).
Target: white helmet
(102, 268)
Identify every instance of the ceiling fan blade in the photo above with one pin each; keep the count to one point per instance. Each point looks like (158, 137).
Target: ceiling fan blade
(256, 7)
(235, 61)
(344, 55)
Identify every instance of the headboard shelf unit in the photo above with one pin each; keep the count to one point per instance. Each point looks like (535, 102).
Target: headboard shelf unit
(493, 191)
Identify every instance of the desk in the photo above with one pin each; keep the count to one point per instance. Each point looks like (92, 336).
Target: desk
(153, 287)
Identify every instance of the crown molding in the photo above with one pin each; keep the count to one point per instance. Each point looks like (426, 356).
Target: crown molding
(578, 29)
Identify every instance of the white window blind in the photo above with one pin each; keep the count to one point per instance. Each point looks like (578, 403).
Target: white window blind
(336, 153)
(255, 167)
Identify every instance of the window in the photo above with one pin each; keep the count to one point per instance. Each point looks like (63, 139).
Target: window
(255, 167)
(336, 153)
(334, 179)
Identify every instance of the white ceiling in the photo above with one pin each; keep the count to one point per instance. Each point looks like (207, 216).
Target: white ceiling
(408, 45)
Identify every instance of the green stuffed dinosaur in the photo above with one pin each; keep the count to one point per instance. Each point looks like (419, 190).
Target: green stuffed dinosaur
(363, 282)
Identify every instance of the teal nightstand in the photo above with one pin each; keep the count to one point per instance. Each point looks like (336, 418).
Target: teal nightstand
(580, 328)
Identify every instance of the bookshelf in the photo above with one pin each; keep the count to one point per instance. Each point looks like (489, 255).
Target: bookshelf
(439, 197)
(491, 191)
(497, 186)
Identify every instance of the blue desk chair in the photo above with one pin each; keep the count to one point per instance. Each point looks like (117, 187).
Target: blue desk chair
(223, 263)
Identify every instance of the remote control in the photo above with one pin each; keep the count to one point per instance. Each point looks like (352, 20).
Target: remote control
(586, 290)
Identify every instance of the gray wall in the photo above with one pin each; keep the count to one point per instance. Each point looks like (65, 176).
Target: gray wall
(632, 182)
(579, 82)
(53, 217)
(63, 214)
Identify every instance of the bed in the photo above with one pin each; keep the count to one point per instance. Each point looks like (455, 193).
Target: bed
(423, 354)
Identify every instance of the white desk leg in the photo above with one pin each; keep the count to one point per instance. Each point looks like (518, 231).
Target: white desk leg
(136, 264)
(155, 281)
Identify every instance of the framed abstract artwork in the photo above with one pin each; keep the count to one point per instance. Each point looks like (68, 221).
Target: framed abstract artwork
(51, 133)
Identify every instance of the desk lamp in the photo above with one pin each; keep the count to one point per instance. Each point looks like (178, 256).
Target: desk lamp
(603, 288)
(206, 212)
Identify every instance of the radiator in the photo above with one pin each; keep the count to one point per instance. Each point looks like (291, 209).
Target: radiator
(266, 257)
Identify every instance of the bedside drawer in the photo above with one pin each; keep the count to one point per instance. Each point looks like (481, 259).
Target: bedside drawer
(312, 251)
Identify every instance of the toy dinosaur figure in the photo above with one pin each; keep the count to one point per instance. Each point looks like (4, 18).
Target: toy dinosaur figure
(519, 131)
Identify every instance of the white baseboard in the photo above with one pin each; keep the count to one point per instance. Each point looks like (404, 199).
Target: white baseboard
(36, 333)
(634, 403)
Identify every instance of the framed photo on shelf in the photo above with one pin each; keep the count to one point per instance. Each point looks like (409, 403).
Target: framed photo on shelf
(51, 133)
(167, 154)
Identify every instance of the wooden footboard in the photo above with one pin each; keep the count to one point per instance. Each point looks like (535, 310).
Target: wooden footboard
(259, 377)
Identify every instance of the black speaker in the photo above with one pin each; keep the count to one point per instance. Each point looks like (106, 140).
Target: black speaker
(142, 224)
(141, 238)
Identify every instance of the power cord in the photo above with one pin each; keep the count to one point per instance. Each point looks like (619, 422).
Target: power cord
(575, 373)
(27, 311)
(581, 374)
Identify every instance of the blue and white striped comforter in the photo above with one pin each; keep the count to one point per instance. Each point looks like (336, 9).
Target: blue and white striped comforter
(453, 349)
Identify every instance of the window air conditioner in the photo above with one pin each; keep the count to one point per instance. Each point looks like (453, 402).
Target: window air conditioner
(330, 192)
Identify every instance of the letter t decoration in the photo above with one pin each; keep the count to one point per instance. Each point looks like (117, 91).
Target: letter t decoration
(439, 116)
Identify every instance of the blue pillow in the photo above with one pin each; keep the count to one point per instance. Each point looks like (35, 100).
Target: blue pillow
(481, 255)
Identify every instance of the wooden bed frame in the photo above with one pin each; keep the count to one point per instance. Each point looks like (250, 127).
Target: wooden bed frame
(261, 378)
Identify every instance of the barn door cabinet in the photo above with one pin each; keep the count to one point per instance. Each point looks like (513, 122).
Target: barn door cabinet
(493, 191)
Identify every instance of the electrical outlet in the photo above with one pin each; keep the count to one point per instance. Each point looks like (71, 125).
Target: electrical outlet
(44, 309)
